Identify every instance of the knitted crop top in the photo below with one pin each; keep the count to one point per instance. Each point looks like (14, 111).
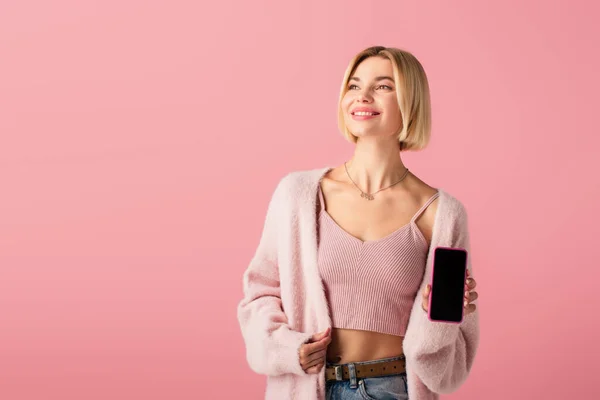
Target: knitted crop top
(371, 285)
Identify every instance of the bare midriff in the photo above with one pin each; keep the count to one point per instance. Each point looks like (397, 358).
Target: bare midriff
(348, 345)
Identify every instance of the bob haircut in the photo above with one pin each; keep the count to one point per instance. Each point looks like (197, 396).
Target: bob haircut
(412, 90)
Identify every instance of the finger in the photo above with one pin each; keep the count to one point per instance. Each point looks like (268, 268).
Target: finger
(314, 347)
(319, 343)
(425, 302)
(306, 351)
(320, 335)
(323, 343)
(320, 355)
(471, 283)
(315, 362)
(314, 369)
(471, 296)
(470, 309)
(426, 291)
(320, 367)
(317, 368)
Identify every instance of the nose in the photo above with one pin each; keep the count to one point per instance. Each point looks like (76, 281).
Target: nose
(364, 97)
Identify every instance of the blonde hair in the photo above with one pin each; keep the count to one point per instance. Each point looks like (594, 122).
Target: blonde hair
(412, 90)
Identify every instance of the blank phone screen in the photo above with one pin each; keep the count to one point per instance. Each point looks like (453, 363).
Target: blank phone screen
(448, 286)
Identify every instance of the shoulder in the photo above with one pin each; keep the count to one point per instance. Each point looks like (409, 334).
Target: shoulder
(299, 184)
(452, 212)
(450, 204)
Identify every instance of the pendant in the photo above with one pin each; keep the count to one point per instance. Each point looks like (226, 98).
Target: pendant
(367, 196)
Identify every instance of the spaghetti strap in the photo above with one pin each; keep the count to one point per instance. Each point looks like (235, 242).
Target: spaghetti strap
(321, 199)
(427, 203)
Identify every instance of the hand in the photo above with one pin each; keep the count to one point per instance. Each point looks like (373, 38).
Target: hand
(312, 354)
(470, 296)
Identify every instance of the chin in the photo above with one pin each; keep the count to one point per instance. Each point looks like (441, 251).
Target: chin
(363, 131)
(365, 134)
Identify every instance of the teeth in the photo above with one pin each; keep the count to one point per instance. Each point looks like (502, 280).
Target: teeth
(364, 113)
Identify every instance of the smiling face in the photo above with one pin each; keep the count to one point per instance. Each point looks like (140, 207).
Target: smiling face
(370, 104)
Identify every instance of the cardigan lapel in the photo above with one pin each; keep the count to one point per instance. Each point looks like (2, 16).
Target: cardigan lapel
(307, 221)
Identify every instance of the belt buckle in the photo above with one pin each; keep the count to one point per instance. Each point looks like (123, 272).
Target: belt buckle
(339, 373)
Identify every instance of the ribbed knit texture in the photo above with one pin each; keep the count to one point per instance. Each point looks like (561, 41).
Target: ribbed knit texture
(284, 301)
(371, 285)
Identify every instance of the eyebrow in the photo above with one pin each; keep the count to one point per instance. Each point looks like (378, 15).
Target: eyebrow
(379, 78)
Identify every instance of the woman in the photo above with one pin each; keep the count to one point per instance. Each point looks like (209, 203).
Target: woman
(335, 298)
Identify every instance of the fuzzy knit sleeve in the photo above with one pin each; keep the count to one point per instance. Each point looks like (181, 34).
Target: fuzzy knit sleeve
(272, 347)
(442, 354)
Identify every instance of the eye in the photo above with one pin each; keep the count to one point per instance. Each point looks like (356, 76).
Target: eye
(350, 87)
(385, 86)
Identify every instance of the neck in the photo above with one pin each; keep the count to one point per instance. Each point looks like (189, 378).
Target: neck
(376, 164)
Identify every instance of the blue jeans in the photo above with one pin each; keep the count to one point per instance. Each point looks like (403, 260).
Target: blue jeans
(391, 387)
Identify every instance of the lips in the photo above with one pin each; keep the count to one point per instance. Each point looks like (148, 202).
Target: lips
(364, 109)
(364, 113)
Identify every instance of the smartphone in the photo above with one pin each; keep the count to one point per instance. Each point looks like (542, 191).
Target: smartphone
(446, 300)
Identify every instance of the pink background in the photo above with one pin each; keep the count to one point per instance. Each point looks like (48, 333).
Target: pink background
(141, 140)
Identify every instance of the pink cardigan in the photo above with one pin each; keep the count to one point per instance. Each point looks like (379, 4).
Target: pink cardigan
(284, 302)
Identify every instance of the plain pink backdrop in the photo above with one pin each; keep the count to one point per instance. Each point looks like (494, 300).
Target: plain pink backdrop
(140, 142)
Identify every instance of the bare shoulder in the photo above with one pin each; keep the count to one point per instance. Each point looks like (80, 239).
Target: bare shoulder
(334, 181)
(423, 192)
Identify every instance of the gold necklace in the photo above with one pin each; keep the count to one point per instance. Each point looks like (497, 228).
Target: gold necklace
(369, 196)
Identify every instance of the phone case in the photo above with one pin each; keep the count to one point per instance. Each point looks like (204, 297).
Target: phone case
(462, 314)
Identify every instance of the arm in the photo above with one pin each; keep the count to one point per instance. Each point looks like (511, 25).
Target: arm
(271, 345)
(442, 354)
